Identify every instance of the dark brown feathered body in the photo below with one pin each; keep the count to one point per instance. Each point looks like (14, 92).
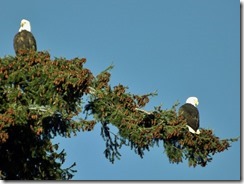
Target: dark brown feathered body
(191, 115)
(24, 40)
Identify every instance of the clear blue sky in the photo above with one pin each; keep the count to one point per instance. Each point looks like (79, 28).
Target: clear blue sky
(180, 48)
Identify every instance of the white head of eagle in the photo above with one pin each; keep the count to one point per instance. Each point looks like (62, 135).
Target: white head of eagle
(191, 114)
(25, 25)
(24, 39)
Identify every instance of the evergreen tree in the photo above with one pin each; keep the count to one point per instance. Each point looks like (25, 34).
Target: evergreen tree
(41, 96)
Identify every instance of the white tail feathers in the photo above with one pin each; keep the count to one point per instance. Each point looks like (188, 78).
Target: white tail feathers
(193, 131)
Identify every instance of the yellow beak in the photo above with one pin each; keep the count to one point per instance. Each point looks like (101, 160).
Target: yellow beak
(196, 102)
(22, 24)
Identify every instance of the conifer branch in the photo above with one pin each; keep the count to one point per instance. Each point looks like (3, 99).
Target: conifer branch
(144, 111)
(41, 98)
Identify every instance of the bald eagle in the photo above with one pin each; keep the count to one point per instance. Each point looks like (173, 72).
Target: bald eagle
(24, 39)
(191, 114)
